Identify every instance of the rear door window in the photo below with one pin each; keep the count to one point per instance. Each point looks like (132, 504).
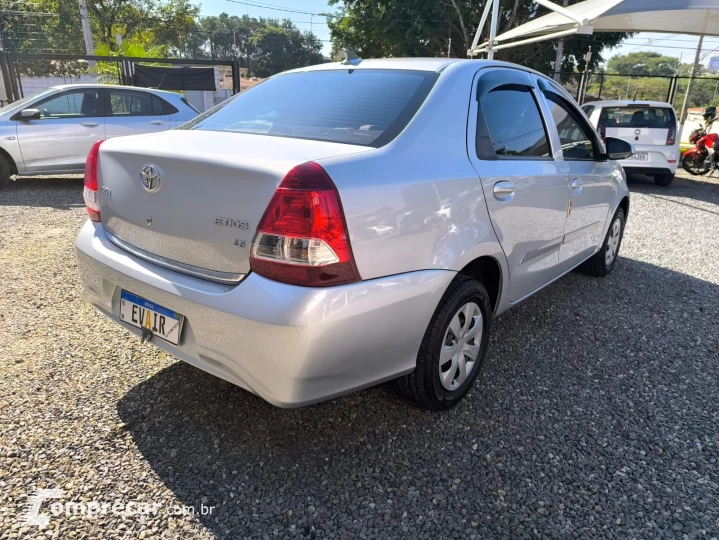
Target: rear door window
(638, 117)
(514, 123)
(123, 103)
(355, 106)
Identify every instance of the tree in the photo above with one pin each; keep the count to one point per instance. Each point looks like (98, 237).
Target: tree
(264, 46)
(42, 25)
(385, 28)
(169, 21)
(643, 63)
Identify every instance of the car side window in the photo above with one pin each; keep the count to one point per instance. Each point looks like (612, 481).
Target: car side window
(588, 110)
(574, 133)
(124, 103)
(77, 104)
(514, 123)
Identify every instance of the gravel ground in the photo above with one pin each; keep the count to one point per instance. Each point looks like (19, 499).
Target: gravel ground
(596, 414)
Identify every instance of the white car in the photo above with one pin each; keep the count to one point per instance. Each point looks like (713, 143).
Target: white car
(52, 132)
(346, 224)
(650, 125)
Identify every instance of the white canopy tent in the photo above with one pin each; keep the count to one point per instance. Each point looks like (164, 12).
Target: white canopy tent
(670, 16)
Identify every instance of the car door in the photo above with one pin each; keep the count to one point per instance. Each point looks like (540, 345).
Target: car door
(130, 112)
(524, 183)
(591, 177)
(70, 123)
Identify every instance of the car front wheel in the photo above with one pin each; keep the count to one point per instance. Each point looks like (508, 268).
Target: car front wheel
(453, 347)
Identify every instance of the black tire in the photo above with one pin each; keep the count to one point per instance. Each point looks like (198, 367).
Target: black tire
(663, 179)
(423, 385)
(694, 167)
(5, 172)
(597, 265)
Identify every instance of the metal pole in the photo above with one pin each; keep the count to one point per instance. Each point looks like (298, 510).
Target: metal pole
(690, 85)
(87, 33)
(493, 29)
(560, 54)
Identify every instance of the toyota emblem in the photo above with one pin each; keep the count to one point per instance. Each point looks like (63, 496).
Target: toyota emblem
(150, 178)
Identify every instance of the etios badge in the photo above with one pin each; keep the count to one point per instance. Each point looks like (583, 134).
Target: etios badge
(150, 177)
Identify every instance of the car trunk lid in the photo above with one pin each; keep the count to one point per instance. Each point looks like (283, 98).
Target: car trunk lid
(205, 196)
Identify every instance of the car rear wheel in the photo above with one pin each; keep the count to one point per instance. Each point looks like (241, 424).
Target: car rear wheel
(663, 179)
(453, 348)
(602, 263)
(5, 172)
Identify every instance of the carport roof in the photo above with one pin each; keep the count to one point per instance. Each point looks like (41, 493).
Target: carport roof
(669, 16)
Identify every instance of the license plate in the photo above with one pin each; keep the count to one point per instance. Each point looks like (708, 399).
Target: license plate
(641, 156)
(162, 322)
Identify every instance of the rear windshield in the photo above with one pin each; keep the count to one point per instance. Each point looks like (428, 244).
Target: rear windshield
(638, 116)
(353, 106)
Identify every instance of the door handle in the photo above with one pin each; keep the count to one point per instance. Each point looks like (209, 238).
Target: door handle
(156, 122)
(577, 186)
(503, 191)
(89, 124)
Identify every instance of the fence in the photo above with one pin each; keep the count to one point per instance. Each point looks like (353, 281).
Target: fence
(26, 74)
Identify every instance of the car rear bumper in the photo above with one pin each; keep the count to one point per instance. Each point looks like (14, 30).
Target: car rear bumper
(664, 161)
(290, 345)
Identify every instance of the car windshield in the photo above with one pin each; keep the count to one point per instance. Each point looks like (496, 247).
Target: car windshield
(638, 117)
(353, 106)
(20, 102)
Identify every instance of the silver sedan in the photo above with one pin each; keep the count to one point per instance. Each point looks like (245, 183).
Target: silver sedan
(346, 224)
(52, 132)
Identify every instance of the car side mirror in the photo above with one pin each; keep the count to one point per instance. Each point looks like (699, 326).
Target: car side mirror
(29, 114)
(618, 148)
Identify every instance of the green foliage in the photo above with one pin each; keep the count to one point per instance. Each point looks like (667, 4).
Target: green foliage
(622, 80)
(168, 20)
(41, 25)
(110, 71)
(385, 28)
(264, 46)
(643, 63)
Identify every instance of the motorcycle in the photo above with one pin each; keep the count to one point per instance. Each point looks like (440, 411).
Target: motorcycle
(704, 157)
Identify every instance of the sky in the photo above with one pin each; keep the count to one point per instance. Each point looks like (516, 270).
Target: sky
(299, 11)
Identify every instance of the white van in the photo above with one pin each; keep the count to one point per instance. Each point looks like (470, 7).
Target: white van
(650, 125)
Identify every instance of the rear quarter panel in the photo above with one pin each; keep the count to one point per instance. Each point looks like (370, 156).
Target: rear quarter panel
(417, 203)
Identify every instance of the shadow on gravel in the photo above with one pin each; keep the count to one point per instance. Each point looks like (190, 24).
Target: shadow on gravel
(62, 193)
(699, 188)
(591, 388)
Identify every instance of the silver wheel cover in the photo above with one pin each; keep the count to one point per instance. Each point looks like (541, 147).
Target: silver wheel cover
(460, 346)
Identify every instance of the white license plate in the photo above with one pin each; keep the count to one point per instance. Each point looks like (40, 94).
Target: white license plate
(641, 156)
(162, 322)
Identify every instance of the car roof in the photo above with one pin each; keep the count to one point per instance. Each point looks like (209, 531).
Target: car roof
(627, 103)
(416, 64)
(117, 86)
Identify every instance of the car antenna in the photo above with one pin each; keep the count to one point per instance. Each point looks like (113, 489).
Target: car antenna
(635, 95)
(348, 56)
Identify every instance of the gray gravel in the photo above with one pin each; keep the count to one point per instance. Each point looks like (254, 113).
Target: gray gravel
(596, 414)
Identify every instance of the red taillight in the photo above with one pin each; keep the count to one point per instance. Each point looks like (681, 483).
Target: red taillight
(302, 237)
(92, 200)
(671, 136)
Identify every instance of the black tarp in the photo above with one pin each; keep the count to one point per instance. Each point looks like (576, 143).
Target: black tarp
(172, 78)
